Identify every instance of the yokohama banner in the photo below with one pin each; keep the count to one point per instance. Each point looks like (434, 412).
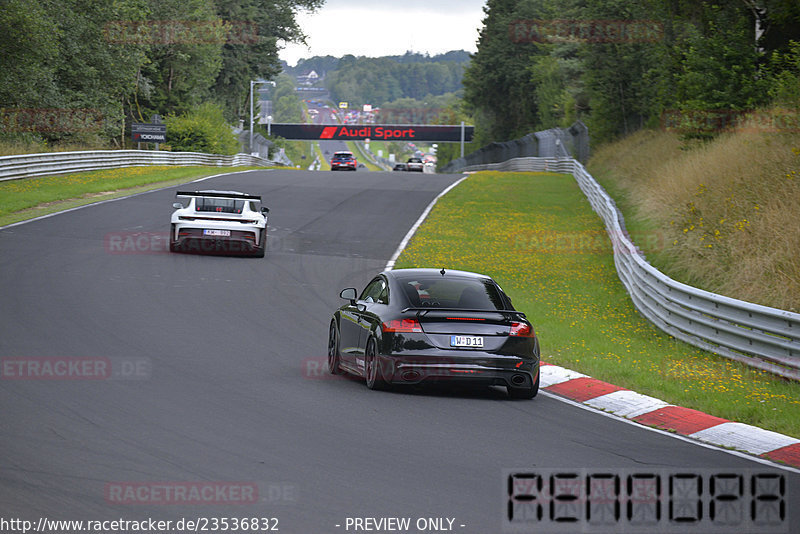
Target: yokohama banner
(143, 132)
(374, 132)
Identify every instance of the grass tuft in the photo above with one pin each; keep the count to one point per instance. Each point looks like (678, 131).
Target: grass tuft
(723, 215)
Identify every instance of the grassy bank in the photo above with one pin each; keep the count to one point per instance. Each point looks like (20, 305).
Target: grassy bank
(324, 164)
(722, 215)
(536, 234)
(355, 148)
(401, 153)
(32, 197)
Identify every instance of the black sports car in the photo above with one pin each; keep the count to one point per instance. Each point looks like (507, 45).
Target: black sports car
(414, 325)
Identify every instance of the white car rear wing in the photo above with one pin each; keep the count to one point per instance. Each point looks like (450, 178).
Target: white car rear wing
(217, 194)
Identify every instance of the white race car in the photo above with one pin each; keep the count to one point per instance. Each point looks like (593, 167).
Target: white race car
(219, 222)
(415, 164)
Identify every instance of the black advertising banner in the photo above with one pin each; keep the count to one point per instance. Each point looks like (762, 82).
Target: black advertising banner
(373, 132)
(143, 132)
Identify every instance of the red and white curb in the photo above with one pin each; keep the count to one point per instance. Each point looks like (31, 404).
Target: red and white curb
(656, 413)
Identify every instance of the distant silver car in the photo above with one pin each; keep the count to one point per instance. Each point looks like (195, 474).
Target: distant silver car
(219, 222)
(415, 164)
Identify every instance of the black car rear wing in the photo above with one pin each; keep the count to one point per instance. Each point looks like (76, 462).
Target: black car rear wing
(217, 195)
(424, 310)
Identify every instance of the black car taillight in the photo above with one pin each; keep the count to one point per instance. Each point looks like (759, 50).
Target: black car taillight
(401, 325)
(521, 330)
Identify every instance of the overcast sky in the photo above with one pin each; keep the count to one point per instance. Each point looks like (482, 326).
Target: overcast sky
(388, 27)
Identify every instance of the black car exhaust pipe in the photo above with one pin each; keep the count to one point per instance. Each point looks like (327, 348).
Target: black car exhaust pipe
(518, 380)
(410, 375)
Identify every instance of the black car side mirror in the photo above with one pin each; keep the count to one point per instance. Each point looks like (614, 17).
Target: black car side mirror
(349, 294)
(264, 211)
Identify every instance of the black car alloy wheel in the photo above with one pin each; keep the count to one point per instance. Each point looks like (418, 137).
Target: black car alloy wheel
(372, 369)
(333, 350)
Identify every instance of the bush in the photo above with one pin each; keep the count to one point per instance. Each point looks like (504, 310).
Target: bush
(784, 73)
(201, 130)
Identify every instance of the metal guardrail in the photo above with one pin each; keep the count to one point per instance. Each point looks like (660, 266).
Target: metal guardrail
(759, 336)
(552, 143)
(24, 166)
(529, 164)
(375, 160)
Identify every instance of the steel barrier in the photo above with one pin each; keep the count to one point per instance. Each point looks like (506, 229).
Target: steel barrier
(24, 166)
(759, 336)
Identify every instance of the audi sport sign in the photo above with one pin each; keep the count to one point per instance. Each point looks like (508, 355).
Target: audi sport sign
(375, 132)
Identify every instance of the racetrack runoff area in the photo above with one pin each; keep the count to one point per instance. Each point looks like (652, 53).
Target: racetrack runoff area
(536, 234)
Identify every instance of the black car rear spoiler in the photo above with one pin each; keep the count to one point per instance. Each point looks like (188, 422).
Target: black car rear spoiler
(217, 195)
(425, 309)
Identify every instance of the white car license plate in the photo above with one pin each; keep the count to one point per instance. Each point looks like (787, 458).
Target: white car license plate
(217, 233)
(466, 341)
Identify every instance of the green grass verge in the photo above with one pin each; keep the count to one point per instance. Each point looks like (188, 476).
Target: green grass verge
(27, 198)
(536, 234)
(375, 146)
(397, 148)
(355, 148)
(324, 165)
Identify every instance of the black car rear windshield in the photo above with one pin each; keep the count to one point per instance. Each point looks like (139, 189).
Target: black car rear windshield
(462, 293)
(219, 205)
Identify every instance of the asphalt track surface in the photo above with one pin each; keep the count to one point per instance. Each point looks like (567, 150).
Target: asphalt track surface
(231, 390)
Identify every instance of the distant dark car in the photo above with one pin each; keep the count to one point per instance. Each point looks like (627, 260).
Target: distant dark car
(415, 164)
(343, 160)
(410, 326)
(400, 167)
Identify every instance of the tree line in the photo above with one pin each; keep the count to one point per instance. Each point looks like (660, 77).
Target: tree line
(376, 81)
(119, 61)
(620, 65)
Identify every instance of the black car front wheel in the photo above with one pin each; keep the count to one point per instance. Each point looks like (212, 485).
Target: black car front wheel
(372, 367)
(333, 350)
